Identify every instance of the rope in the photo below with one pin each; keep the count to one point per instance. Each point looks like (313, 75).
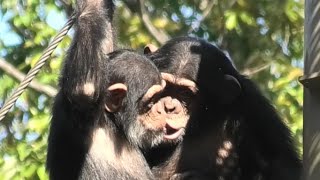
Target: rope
(34, 71)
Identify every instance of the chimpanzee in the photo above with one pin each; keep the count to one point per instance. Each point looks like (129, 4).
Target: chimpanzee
(222, 125)
(107, 108)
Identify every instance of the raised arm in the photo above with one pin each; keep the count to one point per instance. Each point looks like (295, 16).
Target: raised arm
(83, 76)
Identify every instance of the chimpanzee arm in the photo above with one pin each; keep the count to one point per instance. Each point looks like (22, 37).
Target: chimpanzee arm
(83, 76)
(81, 83)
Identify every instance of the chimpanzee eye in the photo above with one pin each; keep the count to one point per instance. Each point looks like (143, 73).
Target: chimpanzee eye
(186, 93)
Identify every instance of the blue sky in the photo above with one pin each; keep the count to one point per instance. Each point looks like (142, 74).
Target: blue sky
(54, 19)
(8, 37)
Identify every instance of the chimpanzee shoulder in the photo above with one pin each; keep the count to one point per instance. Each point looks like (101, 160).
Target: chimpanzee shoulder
(105, 112)
(233, 131)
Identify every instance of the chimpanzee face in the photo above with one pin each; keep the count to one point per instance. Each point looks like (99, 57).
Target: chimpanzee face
(133, 97)
(176, 104)
(194, 71)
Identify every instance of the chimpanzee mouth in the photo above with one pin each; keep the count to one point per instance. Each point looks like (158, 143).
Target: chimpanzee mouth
(172, 133)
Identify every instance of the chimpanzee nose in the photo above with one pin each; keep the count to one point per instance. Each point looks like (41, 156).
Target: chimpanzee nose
(170, 109)
(158, 108)
(171, 106)
(167, 106)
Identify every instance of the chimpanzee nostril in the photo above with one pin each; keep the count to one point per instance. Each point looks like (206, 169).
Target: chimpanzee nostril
(158, 109)
(170, 109)
(171, 106)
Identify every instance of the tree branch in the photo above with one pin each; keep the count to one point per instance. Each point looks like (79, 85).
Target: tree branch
(15, 73)
(161, 36)
(205, 14)
(251, 71)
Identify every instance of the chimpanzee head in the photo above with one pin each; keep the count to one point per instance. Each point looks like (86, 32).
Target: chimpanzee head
(198, 75)
(134, 84)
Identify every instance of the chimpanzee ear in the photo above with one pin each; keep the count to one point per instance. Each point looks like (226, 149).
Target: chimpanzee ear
(116, 92)
(231, 89)
(150, 48)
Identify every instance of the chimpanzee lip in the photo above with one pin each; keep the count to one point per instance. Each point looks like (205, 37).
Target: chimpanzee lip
(172, 133)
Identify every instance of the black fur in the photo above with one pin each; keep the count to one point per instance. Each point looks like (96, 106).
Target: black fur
(233, 132)
(86, 141)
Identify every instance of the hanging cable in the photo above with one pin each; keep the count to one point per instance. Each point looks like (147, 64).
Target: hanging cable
(34, 71)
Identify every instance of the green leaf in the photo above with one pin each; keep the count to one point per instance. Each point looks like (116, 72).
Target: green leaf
(23, 151)
(231, 20)
(42, 173)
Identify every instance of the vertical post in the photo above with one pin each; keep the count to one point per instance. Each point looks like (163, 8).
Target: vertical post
(311, 82)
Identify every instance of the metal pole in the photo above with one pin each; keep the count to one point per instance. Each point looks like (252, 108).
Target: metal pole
(311, 82)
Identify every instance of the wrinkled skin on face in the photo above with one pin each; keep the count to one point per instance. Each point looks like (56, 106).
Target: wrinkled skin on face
(234, 132)
(175, 105)
(149, 128)
(133, 98)
(152, 119)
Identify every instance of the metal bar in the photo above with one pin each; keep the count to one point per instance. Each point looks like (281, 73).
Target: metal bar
(311, 82)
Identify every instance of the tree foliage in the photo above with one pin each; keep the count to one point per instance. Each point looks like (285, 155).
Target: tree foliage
(264, 38)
